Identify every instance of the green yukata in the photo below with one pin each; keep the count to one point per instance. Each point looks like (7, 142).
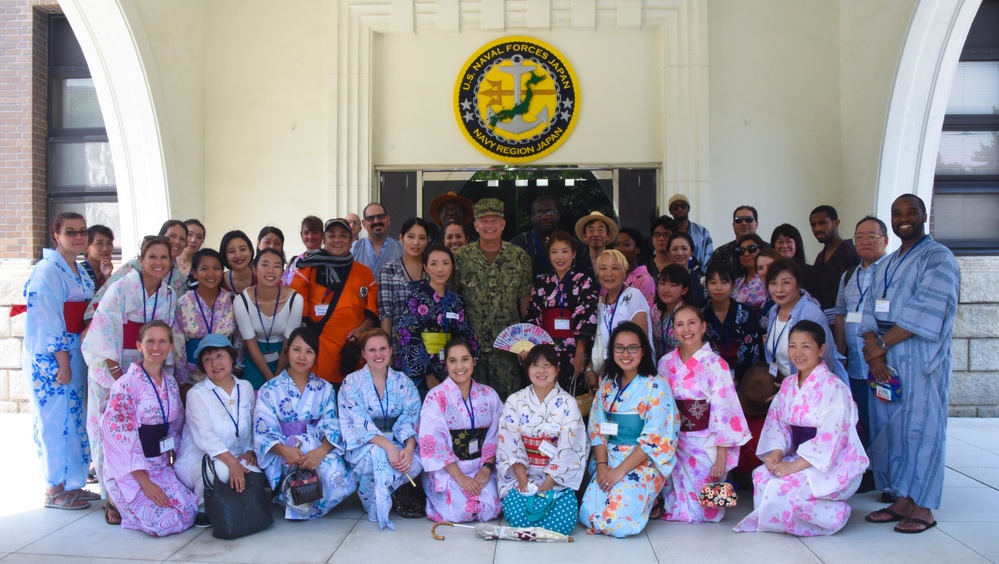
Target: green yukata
(492, 295)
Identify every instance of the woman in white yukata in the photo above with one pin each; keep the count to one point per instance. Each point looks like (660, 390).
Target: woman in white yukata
(142, 428)
(379, 413)
(813, 459)
(111, 340)
(712, 424)
(542, 449)
(219, 422)
(458, 429)
(296, 426)
(57, 293)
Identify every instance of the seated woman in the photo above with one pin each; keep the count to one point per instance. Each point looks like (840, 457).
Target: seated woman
(458, 429)
(732, 327)
(141, 430)
(542, 448)
(203, 311)
(633, 432)
(712, 427)
(681, 253)
(671, 294)
(219, 422)
(434, 314)
(813, 459)
(379, 414)
(784, 282)
(296, 426)
(749, 290)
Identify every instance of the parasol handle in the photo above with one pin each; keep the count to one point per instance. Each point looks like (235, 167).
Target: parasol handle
(570, 539)
(433, 530)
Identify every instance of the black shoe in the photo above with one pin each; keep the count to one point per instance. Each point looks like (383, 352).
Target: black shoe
(866, 483)
(201, 521)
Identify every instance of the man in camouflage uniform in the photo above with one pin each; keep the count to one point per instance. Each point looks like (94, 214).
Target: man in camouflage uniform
(494, 277)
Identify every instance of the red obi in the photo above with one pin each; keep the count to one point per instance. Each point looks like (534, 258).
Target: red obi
(532, 444)
(130, 334)
(557, 322)
(694, 414)
(73, 312)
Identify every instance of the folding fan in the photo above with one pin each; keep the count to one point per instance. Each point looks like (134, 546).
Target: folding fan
(522, 337)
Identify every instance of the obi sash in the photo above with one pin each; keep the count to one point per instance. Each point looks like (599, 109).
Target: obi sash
(801, 435)
(434, 341)
(150, 437)
(130, 334)
(73, 312)
(190, 346)
(384, 426)
(629, 428)
(289, 428)
(694, 414)
(534, 456)
(462, 438)
(548, 318)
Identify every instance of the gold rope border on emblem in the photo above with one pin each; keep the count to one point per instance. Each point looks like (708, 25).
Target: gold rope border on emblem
(456, 99)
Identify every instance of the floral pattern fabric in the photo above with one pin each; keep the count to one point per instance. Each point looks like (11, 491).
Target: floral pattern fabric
(428, 311)
(195, 319)
(577, 298)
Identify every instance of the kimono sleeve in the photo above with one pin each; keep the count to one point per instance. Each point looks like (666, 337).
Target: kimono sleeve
(597, 415)
(104, 337)
(495, 407)
(122, 271)
(416, 360)
(199, 419)
(181, 370)
(925, 312)
(566, 467)
(833, 422)
(435, 437)
(266, 424)
(776, 435)
(408, 421)
(355, 422)
(120, 431)
(537, 303)
(659, 435)
(727, 424)
(585, 315)
(330, 425)
(176, 415)
(510, 445)
(45, 326)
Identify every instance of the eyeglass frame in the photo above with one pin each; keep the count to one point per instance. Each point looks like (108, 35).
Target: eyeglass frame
(744, 219)
(754, 248)
(630, 349)
(375, 217)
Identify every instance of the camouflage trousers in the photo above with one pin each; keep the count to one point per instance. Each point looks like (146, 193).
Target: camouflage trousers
(500, 371)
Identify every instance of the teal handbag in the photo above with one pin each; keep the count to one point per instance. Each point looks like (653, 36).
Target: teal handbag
(539, 505)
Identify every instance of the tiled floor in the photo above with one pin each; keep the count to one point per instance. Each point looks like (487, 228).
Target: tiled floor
(968, 529)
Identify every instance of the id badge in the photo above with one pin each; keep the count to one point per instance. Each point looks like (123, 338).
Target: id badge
(547, 448)
(440, 355)
(773, 369)
(272, 356)
(166, 445)
(562, 325)
(854, 317)
(452, 315)
(609, 429)
(882, 306)
(321, 309)
(473, 446)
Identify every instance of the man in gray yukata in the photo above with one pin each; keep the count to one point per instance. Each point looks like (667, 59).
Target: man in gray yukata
(907, 327)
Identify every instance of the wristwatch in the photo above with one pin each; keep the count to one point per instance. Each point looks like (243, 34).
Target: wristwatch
(882, 343)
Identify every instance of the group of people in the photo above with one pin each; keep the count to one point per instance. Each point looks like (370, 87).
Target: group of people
(372, 363)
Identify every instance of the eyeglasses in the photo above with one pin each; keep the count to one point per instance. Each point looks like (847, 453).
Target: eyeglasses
(866, 238)
(744, 219)
(678, 206)
(352, 222)
(630, 349)
(544, 213)
(74, 233)
(373, 218)
(661, 235)
(750, 249)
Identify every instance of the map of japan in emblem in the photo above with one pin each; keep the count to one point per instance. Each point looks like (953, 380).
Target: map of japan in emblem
(516, 99)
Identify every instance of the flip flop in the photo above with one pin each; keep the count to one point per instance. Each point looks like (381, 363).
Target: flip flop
(66, 500)
(111, 514)
(926, 526)
(894, 516)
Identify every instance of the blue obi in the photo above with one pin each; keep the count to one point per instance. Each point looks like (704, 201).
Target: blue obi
(629, 428)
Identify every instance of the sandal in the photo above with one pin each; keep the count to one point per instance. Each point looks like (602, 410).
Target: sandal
(658, 509)
(66, 500)
(926, 526)
(86, 495)
(111, 515)
(887, 511)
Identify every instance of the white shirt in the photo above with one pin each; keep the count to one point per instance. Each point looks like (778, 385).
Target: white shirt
(209, 427)
(278, 327)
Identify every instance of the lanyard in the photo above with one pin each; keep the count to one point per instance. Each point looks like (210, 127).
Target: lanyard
(469, 407)
(239, 399)
(620, 390)
(406, 272)
(781, 334)
(267, 332)
(210, 324)
(447, 308)
(863, 292)
(157, 392)
(156, 302)
(545, 263)
(889, 280)
(610, 321)
(384, 406)
(561, 293)
(232, 285)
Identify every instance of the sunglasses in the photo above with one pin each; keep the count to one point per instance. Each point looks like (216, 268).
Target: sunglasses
(750, 249)
(744, 219)
(71, 233)
(373, 218)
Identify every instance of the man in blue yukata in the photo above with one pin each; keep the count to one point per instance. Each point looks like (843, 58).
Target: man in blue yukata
(907, 327)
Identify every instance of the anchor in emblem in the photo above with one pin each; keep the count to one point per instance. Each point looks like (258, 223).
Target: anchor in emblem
(512, 120)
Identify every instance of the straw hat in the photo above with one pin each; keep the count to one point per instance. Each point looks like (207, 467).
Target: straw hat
(597, 216)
